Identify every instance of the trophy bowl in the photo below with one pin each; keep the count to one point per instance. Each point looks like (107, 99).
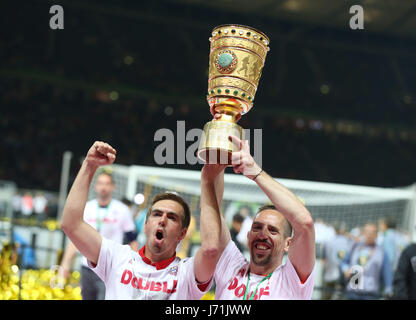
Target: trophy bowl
(236, 59)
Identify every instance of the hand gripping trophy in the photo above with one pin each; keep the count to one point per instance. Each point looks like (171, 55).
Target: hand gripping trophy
(236, 59)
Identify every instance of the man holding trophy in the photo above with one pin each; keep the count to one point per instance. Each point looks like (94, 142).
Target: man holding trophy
(236, 58)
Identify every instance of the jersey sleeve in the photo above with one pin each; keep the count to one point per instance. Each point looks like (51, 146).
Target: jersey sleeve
(110, 252)
(228, 265)
(188, 288)
(302, 291)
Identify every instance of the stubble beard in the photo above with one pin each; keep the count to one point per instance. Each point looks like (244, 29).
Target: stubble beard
(263, 261)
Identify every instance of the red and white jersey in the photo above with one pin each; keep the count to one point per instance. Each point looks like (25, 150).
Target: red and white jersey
(231, 276)
(129, 275)
(111, 222)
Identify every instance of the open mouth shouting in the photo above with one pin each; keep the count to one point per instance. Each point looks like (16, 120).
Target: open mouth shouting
(159, 236)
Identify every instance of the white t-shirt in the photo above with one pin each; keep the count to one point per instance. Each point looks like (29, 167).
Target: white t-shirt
(111, 222)
(128, 275)
(39, 204)
(284, 284)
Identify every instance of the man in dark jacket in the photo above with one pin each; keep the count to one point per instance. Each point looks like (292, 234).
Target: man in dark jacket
(405, 275)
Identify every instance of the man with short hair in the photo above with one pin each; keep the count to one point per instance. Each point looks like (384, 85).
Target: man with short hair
(154, 272)
(270, 238)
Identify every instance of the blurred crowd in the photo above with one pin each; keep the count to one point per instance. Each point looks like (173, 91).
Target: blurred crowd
(28, 204)
(62, 93)
(360, 263)
(34, 205)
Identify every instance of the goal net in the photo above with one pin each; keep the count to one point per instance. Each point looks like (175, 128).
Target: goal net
(327, 202)
(330, 202)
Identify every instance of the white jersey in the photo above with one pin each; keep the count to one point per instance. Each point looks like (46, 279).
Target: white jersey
(111, 222)
(231, 276)
(129, 275)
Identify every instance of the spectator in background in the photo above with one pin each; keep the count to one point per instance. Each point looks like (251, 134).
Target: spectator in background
(334, 252)
(139, 216)
(367, 269)
(356, 234)
(139, 221)
(382, 227)
(40, 204)
(236, 225)
(246, 212)
(405, 275)
(392, 241)
(17, 204)
(112, 219)
(324, 233)
(130, 205)
(27, 204)
(26, 255)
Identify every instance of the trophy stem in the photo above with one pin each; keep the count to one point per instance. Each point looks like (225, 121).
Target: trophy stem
(230, 110)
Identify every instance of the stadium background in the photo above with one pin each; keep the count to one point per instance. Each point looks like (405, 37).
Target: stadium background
(335, 105)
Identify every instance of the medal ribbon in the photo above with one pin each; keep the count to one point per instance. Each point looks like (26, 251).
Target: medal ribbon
(99, 218)
(254, 292)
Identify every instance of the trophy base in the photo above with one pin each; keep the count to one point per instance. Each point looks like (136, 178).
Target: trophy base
(215, 147)
(215, 155)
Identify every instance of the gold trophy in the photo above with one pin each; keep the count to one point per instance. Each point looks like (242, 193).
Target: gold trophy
(236, 59)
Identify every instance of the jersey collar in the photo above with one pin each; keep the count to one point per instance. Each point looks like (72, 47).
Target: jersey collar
(159, 264)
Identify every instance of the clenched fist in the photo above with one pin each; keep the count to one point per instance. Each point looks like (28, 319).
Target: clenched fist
(100, 154)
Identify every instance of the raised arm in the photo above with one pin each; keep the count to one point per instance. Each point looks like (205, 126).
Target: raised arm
(85, 238)
(214, 232)
(302, 245)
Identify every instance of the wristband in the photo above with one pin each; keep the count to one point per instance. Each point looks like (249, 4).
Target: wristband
(257, 175)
